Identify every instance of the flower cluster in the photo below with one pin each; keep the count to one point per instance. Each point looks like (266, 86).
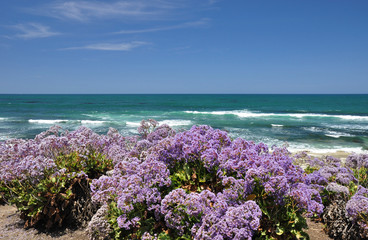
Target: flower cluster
(356, 161)
(99, 228)
(331, 171)
(201, 183)
(195, 184)
(337, 183)
(41, 176)
(357, 207)
(30, 159)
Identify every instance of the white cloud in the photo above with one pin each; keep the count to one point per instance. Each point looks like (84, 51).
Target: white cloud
(110, 46)
(201, 22)
(86, 10)
(33, 30)
(213, 1)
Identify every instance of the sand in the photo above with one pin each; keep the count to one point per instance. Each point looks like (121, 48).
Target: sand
(11, 228)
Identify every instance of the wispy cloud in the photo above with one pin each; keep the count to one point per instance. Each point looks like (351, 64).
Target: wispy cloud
(110, 46)
(213, 1)
(202, 22)
(86, 10)
(33, 30)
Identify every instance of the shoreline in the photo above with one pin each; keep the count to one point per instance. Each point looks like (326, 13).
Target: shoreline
(341, 154)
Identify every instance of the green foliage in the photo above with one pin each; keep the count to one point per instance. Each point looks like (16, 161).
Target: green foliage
(46, 201)
(93, 164)
(147, 223)
(309, 169)
(194, 177)
(279, 221)
(49, 202)
(353, 188)
(361, 175)
(5, 193)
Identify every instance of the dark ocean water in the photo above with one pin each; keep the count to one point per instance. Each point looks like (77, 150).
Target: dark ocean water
(314, 122)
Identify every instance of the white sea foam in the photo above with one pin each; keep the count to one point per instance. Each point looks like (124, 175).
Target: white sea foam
(42, 121)
(328, 133)
(3, 138)
(345, 117)
(335, 134)
(309, 149)
(133, 124)
(88, 115)
(174, 123)
(92, 122)
(277, 125)
(3, 119)
(313, 129)
(348, 127)
(239, 113)
(171, 123)
(249, 114)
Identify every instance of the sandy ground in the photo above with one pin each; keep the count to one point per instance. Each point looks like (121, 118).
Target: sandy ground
(11, 228)
(315, 231)
(338, 154)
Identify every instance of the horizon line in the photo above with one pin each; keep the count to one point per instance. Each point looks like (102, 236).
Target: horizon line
(183, 93)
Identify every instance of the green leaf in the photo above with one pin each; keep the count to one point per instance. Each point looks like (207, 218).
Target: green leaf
(279, 230)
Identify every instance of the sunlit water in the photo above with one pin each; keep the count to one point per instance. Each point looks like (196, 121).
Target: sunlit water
(313, 122)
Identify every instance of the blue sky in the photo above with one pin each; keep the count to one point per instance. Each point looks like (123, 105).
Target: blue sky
(184, 46)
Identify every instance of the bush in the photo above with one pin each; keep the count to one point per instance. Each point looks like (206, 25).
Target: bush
(48, 177)
(343, 195)
(196, 184)
(201, 184)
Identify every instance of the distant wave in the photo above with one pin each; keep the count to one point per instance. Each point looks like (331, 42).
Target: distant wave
(277, 125)
(174, 123)
(328, 133)
(55, 121)
(313, 129)
(239, 113)
(334, 134)
(249, 114)
(354, 127)
(42, 121)
(310, 149)
(92, 122)
(133, 124)
(3, 119)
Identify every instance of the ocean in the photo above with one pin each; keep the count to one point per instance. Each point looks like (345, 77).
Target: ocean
(319, 123)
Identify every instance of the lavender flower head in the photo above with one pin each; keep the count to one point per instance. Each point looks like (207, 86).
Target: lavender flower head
(357, 161)
(357, 207)
(337, 188)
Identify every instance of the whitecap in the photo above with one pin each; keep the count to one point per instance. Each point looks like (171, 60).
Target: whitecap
(239, 113)
(335, 134)
(249, 114)
(277, 125)
(174, 123)
(92, 122)
(313, 129)
(316, 150)
(348, 126)
(42, 121)
(133, 124)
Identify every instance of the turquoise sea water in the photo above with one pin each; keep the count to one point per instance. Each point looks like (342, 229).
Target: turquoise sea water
(314, 122)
